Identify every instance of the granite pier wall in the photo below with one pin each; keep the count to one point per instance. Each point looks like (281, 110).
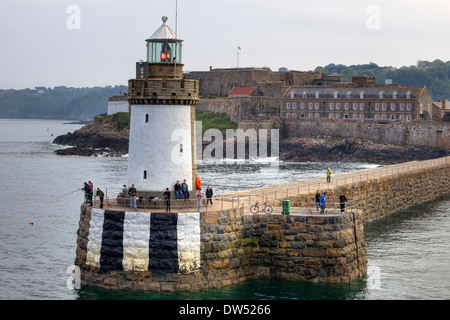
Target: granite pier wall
(195, 251)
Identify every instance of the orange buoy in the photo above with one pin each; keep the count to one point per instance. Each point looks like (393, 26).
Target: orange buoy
(198, 182)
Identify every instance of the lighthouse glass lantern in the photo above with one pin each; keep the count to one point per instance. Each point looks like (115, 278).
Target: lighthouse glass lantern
(164, 46)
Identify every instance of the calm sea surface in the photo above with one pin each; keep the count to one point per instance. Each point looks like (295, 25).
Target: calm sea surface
(40, 198)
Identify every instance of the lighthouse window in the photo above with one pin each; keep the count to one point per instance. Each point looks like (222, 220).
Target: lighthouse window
(145, 174)
(146, 118)
(181, 148)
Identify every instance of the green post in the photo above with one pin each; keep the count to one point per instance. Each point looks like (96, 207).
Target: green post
(286, 206)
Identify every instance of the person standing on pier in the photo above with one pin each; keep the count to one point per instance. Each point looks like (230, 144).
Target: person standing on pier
(167, 198)
(209, 194)
(328, 175)
(132, 193)
(101, 195)
(323, 202)
(199, 195)
(317, 200)
(90, 191)
(342, 201)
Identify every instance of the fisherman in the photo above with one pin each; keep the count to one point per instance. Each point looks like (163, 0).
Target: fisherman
(90, 191)
(86, 192)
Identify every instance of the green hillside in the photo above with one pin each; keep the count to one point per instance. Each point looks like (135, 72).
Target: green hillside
(433, 75)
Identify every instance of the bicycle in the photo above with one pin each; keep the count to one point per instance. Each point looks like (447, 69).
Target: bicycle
(256, 207)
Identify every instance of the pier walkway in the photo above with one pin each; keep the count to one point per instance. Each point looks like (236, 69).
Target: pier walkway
(275, 194)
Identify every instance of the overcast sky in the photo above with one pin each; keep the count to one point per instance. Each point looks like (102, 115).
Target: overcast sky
(84, 43)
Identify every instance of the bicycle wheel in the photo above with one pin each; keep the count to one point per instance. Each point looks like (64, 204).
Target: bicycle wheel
(268, 209)
(254, 209)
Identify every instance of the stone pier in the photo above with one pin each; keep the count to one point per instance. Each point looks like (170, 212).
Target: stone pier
(185, 250)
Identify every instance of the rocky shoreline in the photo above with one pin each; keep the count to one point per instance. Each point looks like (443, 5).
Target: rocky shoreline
(107, 137)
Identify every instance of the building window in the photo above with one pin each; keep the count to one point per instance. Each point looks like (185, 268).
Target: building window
(392, 117)
(355, 116)
(338, 106)
(383, 117)
(288, 105)
(336, 94)
(381, 95)
(317, 105)
(361, 116)
(310, 115)
(408, 106)
(294, 105)
(346, 116)
(408, 95)
(346, 106)
(331, 106)
(317, 115)
(355, 106)
(383, 106)
(402, 106)
(331, 116)
(302, 105)
(392, 106)
(317, 94)
(338, 115)
(402, 117)
(408, 118)
(377, 106)
(395, 95)
(145, 174)
(376, 117)
(302, 115)
(362, 94)
(349, 95)
(361, 106)
(305, 94)
(146, 118)
(310, 105)
(294, 115)
(288, 115)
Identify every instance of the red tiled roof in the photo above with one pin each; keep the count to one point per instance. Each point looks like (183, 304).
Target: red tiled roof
(241, 91)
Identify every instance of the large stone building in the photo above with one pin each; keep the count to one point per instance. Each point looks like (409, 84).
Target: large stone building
(360, 99)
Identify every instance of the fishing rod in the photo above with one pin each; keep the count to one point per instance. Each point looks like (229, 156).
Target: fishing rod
(69, 193)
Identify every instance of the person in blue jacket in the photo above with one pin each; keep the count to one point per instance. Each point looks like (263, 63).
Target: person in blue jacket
(323, 202)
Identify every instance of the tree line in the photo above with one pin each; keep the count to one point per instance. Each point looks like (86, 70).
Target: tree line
(57, 103)
(434, 75)
(83, 103)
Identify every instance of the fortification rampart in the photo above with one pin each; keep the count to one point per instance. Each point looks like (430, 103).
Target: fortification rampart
(432, 134)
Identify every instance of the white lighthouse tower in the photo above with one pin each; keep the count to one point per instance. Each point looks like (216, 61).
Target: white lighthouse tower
(162, 132)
